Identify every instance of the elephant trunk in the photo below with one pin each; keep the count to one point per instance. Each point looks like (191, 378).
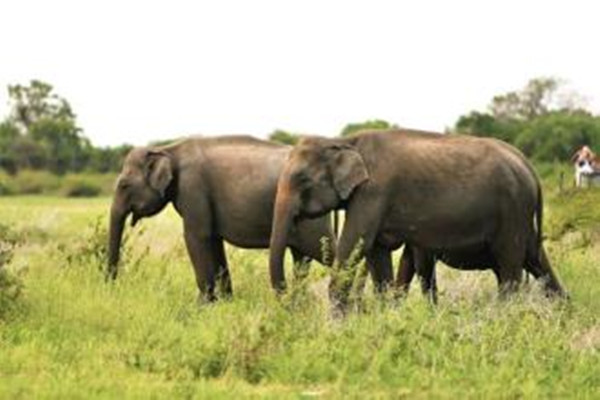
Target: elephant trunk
(118, 215)
(282, 224)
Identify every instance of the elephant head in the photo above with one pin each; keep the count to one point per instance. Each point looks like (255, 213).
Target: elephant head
(320, 175)
(142, 190)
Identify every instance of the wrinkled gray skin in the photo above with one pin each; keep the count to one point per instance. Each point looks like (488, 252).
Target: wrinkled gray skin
(224, 189)
(446, 194)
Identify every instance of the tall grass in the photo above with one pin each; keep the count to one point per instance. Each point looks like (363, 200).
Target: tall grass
(75, 336)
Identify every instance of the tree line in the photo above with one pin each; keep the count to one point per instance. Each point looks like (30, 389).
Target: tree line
(542, 119)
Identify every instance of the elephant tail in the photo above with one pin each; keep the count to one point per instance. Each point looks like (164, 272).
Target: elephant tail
(539, 218)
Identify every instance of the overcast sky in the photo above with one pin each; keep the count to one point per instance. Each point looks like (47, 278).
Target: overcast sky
(141, 71)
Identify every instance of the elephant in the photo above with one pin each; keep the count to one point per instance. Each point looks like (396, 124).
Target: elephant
(446, 194)
(224, 190)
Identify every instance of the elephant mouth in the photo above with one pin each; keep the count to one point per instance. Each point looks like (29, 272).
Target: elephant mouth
(135, 217)
(138, 213)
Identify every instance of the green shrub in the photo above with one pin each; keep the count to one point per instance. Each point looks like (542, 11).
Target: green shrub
(6, 184)
(87, 185)
(10, 291)
(35, 182)
(80, 186)
(30, 182)
(10, 285)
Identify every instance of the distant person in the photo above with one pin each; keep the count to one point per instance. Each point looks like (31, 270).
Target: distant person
(587, 167)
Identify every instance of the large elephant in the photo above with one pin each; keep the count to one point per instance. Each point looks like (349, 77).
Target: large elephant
(448, 194)
(224, 189)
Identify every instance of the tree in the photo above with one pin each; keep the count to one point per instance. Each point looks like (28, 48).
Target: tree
(485, 124)
(284, 137)
(374, 124)
(9, 134)
(556, 135)
(36, 101)
(47, 131)
(108, 159)
(539, 97)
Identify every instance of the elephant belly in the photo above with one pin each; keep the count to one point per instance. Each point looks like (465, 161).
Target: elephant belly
(434, 226)
(476, 257)
(244, 228)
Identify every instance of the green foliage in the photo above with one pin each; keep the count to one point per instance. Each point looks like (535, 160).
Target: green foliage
(284, 137)
(534, 121)
(483, 124)
(144, 336)
(373, 124)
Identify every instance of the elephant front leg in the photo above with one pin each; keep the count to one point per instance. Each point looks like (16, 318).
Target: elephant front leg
(301, 265)
(356, 240)
(203, 257)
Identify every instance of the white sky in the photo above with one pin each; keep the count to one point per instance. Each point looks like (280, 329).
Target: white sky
(140, 71)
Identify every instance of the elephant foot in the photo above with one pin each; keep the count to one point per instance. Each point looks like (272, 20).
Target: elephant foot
(204, 299)
(338, 312)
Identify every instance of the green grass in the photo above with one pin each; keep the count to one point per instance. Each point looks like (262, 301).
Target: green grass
(70, 335)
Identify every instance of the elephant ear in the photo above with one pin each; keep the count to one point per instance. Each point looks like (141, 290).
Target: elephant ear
(159, 171)
(348, 171)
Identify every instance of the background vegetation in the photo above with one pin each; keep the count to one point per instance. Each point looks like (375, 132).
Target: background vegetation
(44, 151)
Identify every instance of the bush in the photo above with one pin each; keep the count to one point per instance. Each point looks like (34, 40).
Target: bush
(6, 184)
(30, 182)
(79, 186)
(35, 182)
(10, 285)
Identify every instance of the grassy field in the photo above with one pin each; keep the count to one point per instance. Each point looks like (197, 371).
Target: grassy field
(64, 333)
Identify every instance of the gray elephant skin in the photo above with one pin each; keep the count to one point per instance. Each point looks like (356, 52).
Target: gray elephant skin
(474, 200)
(224, 189)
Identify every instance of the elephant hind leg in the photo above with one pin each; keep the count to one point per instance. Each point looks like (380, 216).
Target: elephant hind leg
(425, 265)
(509, 253)
(223, 276)
(379, 263)
(540, 268)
